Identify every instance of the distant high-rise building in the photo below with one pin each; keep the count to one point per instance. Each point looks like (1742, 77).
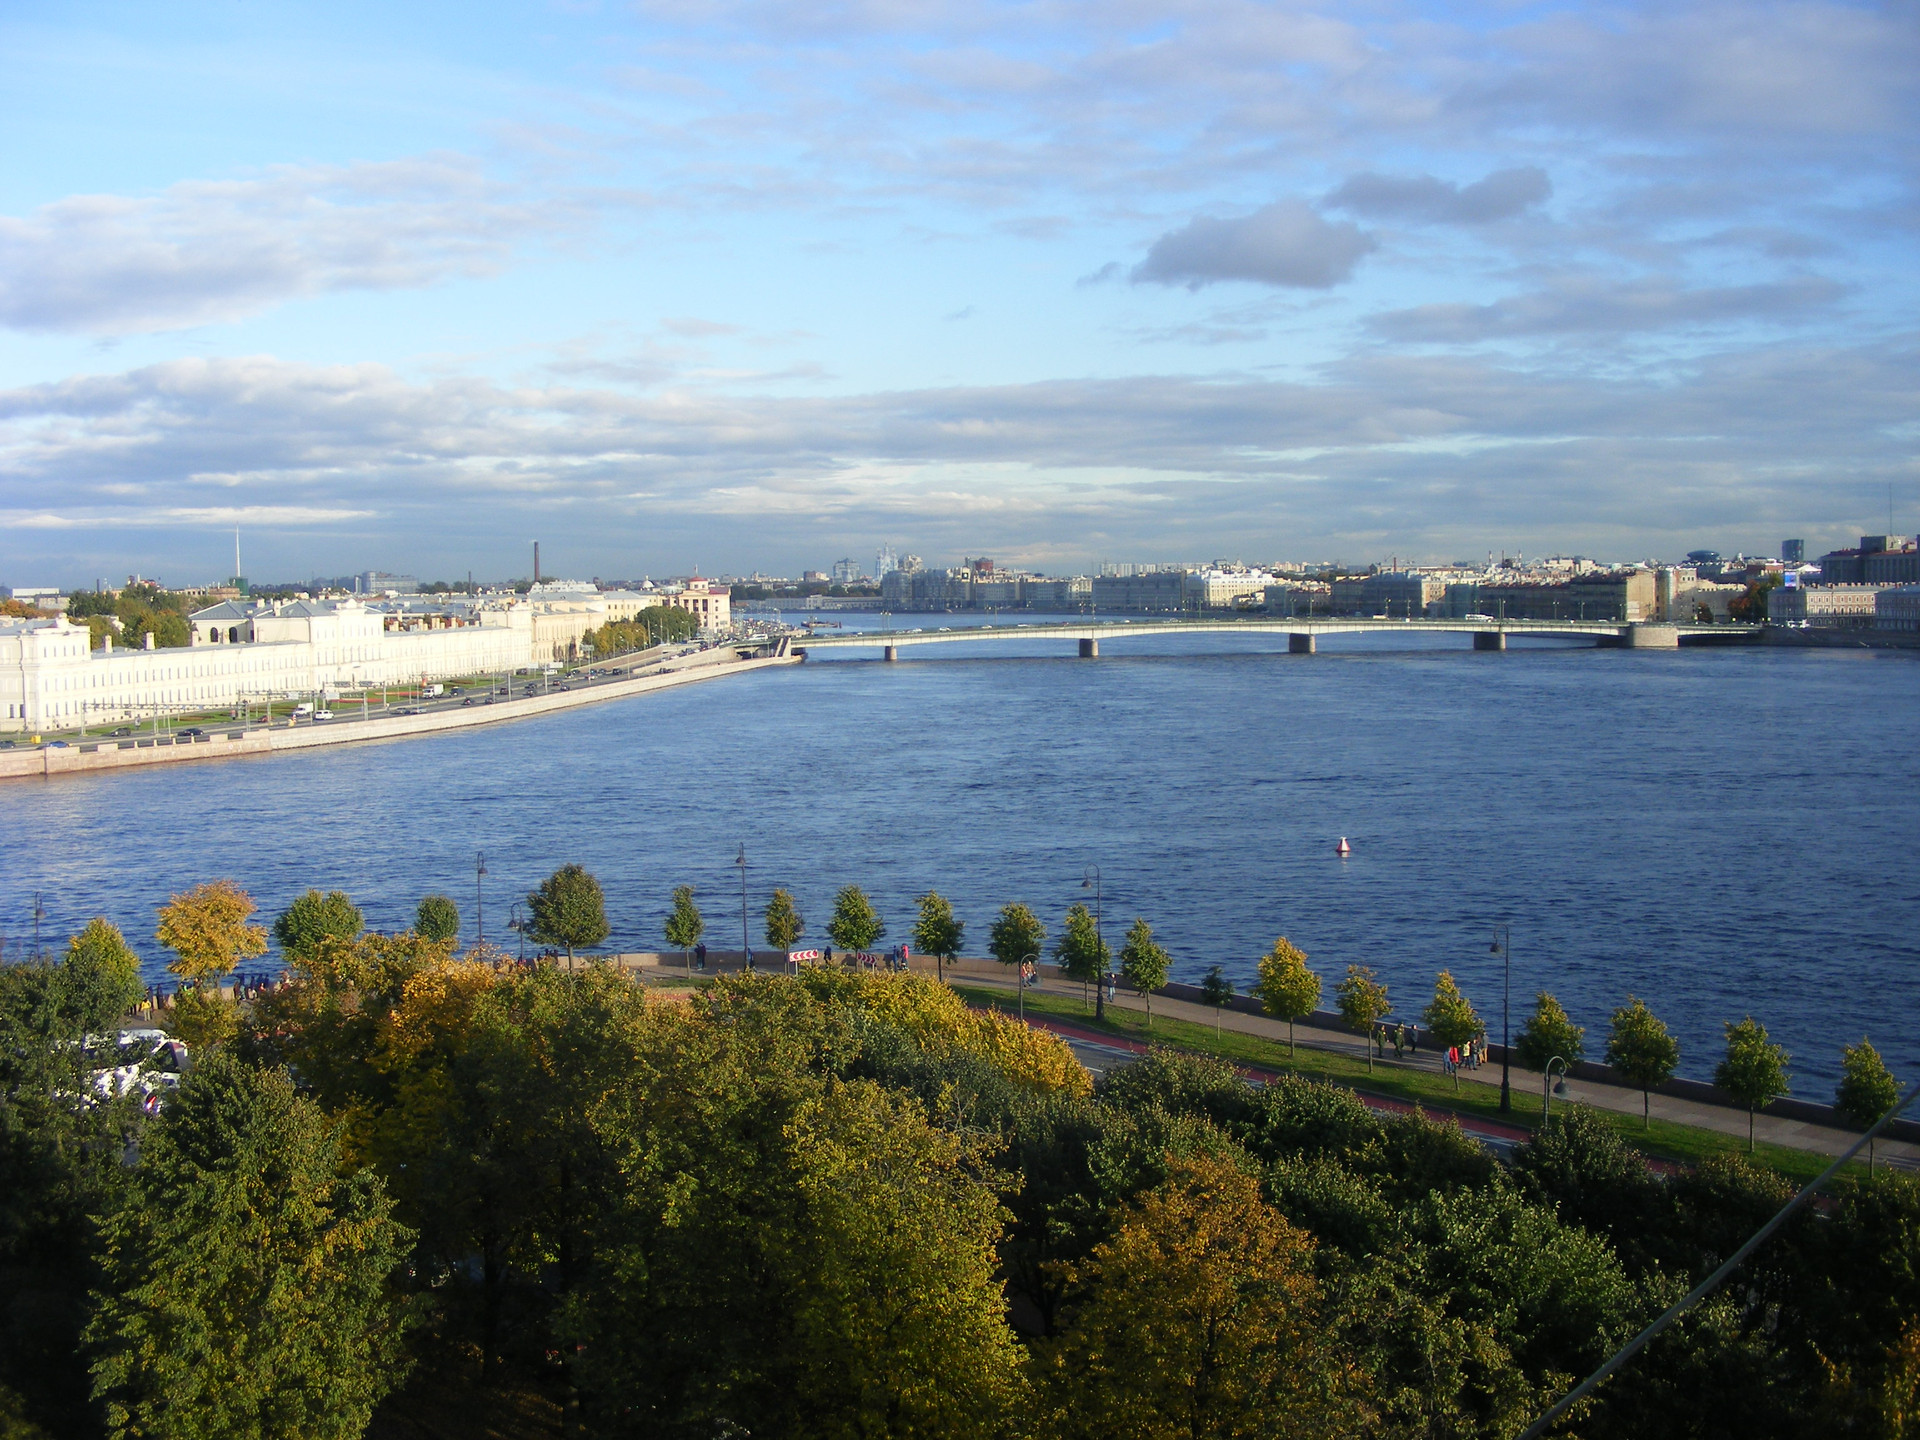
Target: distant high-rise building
(884, 562)
(847, 572)
(1794, 552)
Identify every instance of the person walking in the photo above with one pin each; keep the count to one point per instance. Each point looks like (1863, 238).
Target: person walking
(1399, 1040)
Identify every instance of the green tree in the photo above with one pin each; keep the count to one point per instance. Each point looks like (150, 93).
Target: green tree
(438, 918)
(1547, 1033)
(100, 976)
(207, 930)
(568, 909)
(1867, 1089)
(1198, 1316)
(1081, 951)
(855, 924)
(1363, 1002)
(1016, 936)
(937, 931)
(1639, 1047)
(1450, 1018)
(784, 925)
(1287, 989)
(1144, 963)
(685, 924)
(1216, 990)
(1755, 1070)
(314, 919)
(244, 1281)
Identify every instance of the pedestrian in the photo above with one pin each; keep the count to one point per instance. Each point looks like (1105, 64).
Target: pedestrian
(1399, 1040)
(1413, 1039)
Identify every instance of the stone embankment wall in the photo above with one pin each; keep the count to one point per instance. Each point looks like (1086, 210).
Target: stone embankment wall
(224, 742)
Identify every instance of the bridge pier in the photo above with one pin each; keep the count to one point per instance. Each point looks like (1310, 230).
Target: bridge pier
(1650, 637)
(1298, 644)
(1089, 649)
(1489, 639)
(891, 652)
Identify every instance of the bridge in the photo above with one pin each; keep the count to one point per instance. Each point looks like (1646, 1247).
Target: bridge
(1302, 633)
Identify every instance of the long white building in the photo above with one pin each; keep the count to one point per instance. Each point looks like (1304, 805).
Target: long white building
(51, 680)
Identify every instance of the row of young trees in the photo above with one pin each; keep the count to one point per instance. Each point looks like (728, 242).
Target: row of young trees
(839, 1205)
(1639, 1046)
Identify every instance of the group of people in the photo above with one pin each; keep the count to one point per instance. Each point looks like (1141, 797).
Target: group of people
(1405, 1040)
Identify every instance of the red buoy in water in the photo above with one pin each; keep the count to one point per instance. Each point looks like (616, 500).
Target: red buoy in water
(1343, 848)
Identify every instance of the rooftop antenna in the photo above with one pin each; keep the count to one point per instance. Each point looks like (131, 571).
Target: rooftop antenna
(237, 571)
(536, 562)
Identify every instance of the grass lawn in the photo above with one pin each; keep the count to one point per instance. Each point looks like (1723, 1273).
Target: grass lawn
(1665, 1140)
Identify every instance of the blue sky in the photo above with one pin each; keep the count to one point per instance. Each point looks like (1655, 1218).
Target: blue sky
(758, 284)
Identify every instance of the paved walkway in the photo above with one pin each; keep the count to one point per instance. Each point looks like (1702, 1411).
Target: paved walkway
(1526, 1084)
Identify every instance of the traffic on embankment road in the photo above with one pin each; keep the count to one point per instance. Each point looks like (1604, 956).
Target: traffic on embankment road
(223, 741)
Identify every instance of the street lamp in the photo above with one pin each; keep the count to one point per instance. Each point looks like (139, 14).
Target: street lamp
(479, 898)
(1503, 946)
(516, 924)
(1548, 1089)
(1091, 881)
(746, 945)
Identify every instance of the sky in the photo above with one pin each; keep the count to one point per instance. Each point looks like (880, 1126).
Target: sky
(737, 285)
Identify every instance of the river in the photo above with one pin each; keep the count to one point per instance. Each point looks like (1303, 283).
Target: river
(1719, 831)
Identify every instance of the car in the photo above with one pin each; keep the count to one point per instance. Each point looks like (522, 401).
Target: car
(57, 745)
(192, 732)
(323, 714)
(457, 690)
(122, 732)
(408, 710)
(473, 700)
(562, 687)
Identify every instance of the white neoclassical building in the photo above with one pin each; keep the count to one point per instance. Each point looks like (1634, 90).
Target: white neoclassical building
(50, 679)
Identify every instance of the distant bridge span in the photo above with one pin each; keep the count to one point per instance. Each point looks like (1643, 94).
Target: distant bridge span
(1301, 633)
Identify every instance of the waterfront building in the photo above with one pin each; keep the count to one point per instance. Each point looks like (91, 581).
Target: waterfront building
(1876, 560)
(1897, 608)
(1399, 593)
(1846, 606)
(1621, 596)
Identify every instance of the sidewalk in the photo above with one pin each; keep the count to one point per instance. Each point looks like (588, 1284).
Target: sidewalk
(1526, 1084)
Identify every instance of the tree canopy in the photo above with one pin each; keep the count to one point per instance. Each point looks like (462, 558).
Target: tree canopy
(1287, 989)
(783, 921)
(568, 909)
(314, 919)
(1867, 1089)
(1548, 1032)
(1755, 1069)
(855, 925)
(1144, 963)
(937, 930)
(207, 930)
(100, 976)
(1016, 935)
(1639, 1047)
(685, 925)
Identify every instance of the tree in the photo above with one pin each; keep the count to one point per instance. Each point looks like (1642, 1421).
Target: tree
(1144, 963)
(1639, 1047)
(1081, 950)
(100, 976)
(1363, 1001)
(568, 909)
(1547, 1033)
(438, 918)
(1867, 1089)
(314, 919)
(1197, 1316)
(244, 1283)
(855, 924)
(784, 925)
(1755, 1070)
(1216, 990)
(1288, 990)
(685, 924)
(1450, 1018)
(1016, 936)
(937, 932)
(207, 930)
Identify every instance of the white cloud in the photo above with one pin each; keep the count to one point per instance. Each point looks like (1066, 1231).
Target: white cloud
(1285, 243)
(204, 251)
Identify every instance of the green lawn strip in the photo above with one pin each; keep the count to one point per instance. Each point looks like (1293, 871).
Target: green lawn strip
(1663, 1140)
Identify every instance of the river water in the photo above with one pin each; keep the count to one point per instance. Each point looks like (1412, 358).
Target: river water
(1719, 831)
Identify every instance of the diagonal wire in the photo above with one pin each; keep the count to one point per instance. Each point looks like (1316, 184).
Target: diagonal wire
(1706, 1287)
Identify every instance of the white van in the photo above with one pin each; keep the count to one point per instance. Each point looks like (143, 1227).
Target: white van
(432, 692)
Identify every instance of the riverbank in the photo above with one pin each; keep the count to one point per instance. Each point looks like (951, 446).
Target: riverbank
(228, 742)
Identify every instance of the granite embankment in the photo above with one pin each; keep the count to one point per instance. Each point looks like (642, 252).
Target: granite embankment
(230, 741)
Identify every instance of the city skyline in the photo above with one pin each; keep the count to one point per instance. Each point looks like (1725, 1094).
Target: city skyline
(762, 286)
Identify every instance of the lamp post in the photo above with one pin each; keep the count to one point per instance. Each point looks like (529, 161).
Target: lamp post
(479, 898)
(516, 924)
(1091, 881)
(1503, 946)
(746, 945)
(1548, 1089)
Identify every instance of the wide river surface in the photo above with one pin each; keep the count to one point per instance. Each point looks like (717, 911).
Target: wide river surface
(1722, 832)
